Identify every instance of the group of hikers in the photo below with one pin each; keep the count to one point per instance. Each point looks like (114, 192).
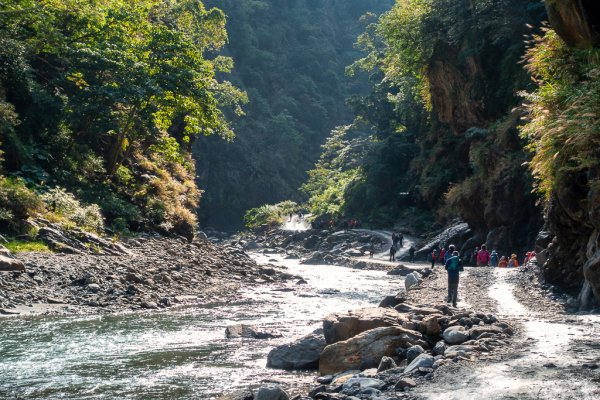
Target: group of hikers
(397, 243)
(481, 257)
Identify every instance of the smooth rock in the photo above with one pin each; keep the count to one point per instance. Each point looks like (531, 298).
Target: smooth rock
(386, 363)
(338, 327)
(405, 382)
(422, 361)
(440, 348)
(455, 335)
(413, 352)
(367, 349)
(476, 331)
(10, 264)
(302, 354)
(271, 393)
(411, 281)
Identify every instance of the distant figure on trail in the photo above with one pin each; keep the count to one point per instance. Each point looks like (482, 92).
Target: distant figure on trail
(346, 225)
(513, 262)
(433, 257)
(454, 266)
(371, 249)
(483, 257)
(401, 239)
(395, 239)
(448, 254)
(503, 263)
(392, 253)
(442, 255)
(411, 253)
(473, 258)
(494, 259)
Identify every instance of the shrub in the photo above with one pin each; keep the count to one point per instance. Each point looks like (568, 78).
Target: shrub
(17, 201)
(270, 215)
(64, 204)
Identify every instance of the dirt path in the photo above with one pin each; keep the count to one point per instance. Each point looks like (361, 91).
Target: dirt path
(553, 355)
(383, 256)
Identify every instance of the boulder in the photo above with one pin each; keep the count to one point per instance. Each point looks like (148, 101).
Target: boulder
(409, 308)
(302, 354)
(413, 352)
(239, 395)
(11, 264)
(439, 348)
(386, 363)
(363, 383)
(430, 325)
(411, 281)
(311, 242)
(476, 331)
(4, 251)
(338, 327)
(459, 351)
(367, 349)
(400, 270)
(271, 393)
(422, 361)
(455, 335)
(393, 301)
(405, 382)
(248, 332)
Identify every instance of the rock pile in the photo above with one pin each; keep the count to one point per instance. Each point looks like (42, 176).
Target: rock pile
(154, 272)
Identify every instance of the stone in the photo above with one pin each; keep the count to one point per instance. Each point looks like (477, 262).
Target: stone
(411, 281)
(422, 361)
(302, 354)
(455, 335)
(409, 308)
(93, 287)
(413, 352)
(363, 383)
(430, 325)
(248, 332)
(11, 264)
(405, 383)
(400, 270)
(477, 331)
(439, 348)
(239, 395)
(338, 327)
(4, 251)
(393, 301)
(271, 393)
(311, 242)
(386, 363)
(459, 351)
(367, 349)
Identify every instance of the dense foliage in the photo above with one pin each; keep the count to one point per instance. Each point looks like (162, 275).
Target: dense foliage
(104, 99)
(445, 76)
(563, 112)
(290, 58)
(270, 215)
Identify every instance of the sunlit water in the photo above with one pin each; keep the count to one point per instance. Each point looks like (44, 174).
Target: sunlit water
(178, 353)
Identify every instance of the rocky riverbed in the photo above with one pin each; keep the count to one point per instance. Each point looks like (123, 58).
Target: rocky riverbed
(153, 272)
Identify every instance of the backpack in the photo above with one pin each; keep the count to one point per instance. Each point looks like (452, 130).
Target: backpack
(454, 264)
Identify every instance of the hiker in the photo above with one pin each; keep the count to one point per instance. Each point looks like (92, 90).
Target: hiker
(473, 259)
(448, 254)
(513, 262)
(433, 257)
(392, 253)
(442, 255)
(371, 249)
(401, 239)
(395, 239)
(494, 259)
(411, 253)
(503, 263)
(483, 257)
(454, 266)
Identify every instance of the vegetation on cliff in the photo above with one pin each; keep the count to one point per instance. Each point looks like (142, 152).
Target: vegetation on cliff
(441, 140)
(104, 99)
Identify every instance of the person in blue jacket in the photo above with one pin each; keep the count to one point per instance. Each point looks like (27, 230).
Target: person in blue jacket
(454, 266)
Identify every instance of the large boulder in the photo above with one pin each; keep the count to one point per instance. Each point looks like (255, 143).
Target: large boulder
(302, 354)
(430, 325)
(367, 349)
(239, 395)
(411, 280)
(409, 308)
(11, 264)
(476, 331)
(338, 327)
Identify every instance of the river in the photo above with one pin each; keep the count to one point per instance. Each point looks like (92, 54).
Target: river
(178, 353)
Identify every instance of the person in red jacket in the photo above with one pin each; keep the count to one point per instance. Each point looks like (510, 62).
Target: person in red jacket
(483, 257)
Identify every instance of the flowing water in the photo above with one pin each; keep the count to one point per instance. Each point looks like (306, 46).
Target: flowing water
(177, 353)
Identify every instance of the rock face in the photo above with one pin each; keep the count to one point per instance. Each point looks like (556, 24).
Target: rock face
(576, 22)
(339, 327)
(303, 354)
(367, 349)
(11, 264)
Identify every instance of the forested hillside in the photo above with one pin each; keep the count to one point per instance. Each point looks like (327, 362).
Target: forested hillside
(290, 57)
(100, 102)
(437, 138)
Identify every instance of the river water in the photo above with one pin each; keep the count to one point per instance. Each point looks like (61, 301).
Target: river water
(178, 353)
